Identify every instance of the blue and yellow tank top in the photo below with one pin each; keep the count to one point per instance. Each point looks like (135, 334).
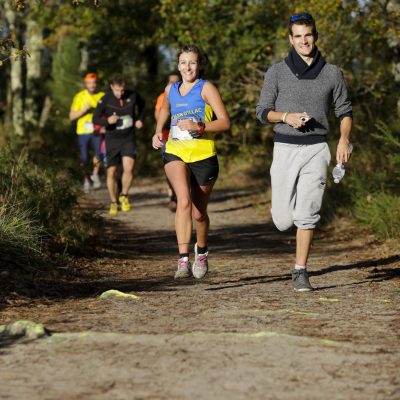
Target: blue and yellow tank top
(192, 106)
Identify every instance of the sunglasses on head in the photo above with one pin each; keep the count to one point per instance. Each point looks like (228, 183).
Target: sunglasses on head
(302, 17)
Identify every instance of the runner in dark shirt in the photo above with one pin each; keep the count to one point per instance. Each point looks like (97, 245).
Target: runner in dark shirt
(120, 111)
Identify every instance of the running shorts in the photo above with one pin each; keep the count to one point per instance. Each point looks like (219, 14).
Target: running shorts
(202, 173)
(118, 148)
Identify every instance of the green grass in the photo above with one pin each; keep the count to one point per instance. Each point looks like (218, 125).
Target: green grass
(38, 209)
(380, 212)
(18, 226)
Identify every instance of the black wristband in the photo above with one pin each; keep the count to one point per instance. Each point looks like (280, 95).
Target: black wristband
(201, 126)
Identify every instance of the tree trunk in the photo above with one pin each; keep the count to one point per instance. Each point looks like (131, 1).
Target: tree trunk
(394, 42)
(83, 67)
(8, 116)
(44, 116)
(16, 74)
(34, 38)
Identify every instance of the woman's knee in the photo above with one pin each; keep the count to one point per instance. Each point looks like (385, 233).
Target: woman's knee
(184, 203)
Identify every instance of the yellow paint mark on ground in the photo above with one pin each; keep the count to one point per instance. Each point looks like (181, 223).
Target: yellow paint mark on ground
(284, 311)
(23, 328)
(58, 338)
(239, 334)
(264, 334)
(118, 294)
(330, 299)
(268, 334)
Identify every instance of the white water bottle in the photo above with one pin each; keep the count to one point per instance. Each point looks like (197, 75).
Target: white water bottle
(338, 173)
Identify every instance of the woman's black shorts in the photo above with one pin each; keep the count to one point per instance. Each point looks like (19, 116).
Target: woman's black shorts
(202, 173)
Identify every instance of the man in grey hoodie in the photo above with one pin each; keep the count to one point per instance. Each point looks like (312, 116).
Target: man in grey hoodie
(296, 97)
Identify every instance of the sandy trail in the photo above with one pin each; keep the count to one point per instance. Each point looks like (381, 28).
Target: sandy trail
(241, 333)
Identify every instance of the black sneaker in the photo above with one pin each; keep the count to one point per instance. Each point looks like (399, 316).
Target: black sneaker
(300, 281)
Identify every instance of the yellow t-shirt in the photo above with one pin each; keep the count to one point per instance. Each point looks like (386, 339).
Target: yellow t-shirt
(85, 124)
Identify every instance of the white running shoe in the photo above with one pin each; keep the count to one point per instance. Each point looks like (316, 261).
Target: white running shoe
(200, 265)
(184, 269)
(86, 187)
(96, 181)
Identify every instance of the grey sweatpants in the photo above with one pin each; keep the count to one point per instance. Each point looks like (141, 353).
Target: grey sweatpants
(298, 179)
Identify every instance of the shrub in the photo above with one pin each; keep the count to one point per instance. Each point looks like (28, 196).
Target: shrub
(380, 212)
(20, 236)
(38, 207)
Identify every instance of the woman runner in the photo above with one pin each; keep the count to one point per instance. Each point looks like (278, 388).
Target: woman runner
(190, 159)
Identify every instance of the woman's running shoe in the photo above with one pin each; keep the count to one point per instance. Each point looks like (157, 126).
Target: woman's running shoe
(113, 209)
(184, 269)
(200, 265)
(125, 204)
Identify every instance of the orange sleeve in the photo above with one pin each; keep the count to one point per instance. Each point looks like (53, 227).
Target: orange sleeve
(159, 102)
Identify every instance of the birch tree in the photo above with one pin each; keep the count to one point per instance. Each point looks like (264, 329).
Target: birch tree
(16, 72)
(34, 39)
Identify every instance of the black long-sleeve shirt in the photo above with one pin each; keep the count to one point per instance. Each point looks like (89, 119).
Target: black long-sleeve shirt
(129, 109)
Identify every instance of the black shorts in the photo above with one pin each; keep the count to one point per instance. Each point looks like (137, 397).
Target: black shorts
(118, 148)
(202, 173)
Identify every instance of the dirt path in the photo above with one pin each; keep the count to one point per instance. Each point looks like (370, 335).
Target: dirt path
(242, 333)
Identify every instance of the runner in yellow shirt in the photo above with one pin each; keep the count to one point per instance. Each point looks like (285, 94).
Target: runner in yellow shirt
(82, 108)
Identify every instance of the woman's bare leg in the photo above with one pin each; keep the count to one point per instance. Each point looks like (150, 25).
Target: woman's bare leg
(178, 174)
(200, 197)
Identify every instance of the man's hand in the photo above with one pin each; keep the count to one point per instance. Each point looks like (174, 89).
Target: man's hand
(139, 124)
(343, 152)
(112, 119)
(297, 120)
(157, 141)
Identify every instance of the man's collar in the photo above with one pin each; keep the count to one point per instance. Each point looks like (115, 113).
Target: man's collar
(301, 69)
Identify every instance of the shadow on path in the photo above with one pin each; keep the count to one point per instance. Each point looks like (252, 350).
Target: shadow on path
(376, 275)
(235, 239)
(260, 239)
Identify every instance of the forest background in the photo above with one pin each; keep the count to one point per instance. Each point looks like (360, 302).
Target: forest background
(48, 46)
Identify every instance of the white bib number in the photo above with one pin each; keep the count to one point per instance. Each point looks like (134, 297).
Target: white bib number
(88, 126)
(177, 134)
(126, 122)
